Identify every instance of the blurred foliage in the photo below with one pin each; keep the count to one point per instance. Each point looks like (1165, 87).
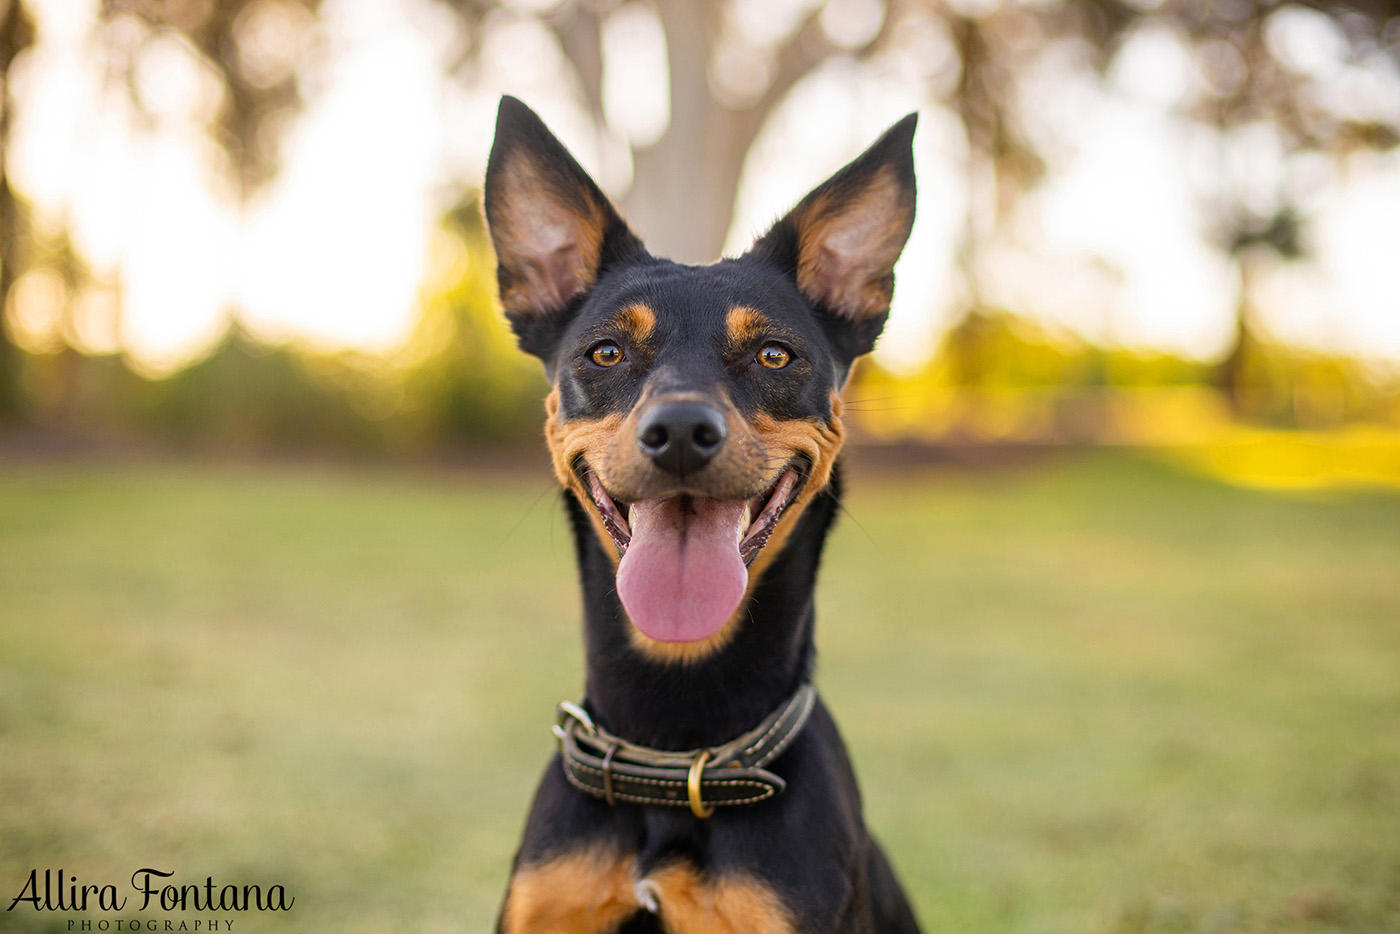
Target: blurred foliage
(1000, 377)
(456, 382)
(256, 48)
(16, 35)
(250, 395)
(465, 381)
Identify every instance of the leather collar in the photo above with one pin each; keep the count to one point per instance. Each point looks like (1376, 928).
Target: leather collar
(607, 766)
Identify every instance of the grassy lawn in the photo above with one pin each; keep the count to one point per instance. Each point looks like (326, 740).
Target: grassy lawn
(1084, 695)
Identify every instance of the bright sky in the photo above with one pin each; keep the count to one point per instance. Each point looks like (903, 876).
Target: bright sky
(333, 253)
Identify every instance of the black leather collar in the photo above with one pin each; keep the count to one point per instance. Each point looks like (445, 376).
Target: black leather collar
(607, 766)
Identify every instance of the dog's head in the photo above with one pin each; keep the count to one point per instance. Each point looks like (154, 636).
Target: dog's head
(695, 409)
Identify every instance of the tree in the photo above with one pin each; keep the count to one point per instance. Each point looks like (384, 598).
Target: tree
(16, 34)
(260, 73)
(1257, 75)
(685, 184)
(725, 85)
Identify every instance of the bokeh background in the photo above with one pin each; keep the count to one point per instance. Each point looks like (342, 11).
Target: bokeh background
(1112, 620)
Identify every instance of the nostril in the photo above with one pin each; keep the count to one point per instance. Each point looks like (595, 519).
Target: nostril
(654, 439)
(680, 436)
(706, 437)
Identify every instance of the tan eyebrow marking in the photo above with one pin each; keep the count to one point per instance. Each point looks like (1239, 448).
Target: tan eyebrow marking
(745, 324)
(637, 320)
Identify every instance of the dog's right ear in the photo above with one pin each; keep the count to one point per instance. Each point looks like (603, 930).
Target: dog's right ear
(553, 229)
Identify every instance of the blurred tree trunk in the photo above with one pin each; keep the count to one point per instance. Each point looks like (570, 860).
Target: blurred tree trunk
(1001, 163)
(677, 200)
(1232, 374)
(16, 34)
(684, 186)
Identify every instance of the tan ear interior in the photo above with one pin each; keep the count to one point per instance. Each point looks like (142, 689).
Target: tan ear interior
(548, 245)
(847, 248)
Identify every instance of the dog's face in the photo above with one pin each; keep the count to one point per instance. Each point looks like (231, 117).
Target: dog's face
(695, 409)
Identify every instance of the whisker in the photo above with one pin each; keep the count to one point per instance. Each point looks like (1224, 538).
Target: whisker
(879, 408)
(526, 514)
(553, 515)
(863, 530)
(902, 395)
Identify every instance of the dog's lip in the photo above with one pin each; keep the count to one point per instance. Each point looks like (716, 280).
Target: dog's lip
(761, 517)
(613, 519)
(768, 508)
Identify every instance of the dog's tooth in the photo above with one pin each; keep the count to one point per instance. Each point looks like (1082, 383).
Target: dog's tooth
(631, 516)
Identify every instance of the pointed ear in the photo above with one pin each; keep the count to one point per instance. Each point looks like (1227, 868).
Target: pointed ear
(553, 229)
(842, 240)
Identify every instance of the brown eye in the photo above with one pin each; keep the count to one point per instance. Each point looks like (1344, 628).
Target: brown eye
(774, 356)
(606, 354)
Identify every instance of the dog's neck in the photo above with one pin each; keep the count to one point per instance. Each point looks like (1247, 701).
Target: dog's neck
(710, 700)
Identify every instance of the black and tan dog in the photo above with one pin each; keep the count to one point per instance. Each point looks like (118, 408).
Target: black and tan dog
(695, 423)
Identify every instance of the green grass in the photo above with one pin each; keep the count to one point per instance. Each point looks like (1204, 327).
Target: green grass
(1085, 695)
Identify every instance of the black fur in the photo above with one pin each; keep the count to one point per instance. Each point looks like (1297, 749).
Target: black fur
(809, 845)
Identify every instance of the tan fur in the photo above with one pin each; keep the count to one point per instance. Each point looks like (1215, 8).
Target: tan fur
(693, 904)
(846, 252)
(820, 442)
(761, 449)
(636, 321)
(746, 325)
(581, 893)
(684, 653)
(609, 445)
(593, 891)
(567, 441)
(536, 234)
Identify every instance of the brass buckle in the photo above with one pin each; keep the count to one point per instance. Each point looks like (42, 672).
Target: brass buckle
(692, 785)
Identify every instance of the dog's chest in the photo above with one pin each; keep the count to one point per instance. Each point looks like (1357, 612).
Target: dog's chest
(659, 888)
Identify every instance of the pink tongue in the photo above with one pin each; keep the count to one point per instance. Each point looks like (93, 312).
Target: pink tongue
(682, 578)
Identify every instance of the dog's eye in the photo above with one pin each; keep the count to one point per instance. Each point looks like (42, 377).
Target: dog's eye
(774, 356)
(606, 354)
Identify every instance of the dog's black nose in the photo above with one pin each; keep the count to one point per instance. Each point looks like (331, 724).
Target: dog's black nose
(681, 437)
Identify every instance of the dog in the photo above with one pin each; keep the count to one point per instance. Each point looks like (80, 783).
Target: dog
(694, 422)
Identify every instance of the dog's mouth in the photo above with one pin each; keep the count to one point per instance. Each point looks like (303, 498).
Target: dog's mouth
(752, 529)
(685, 558)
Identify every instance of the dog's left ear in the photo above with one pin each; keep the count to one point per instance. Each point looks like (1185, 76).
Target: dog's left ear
(552, 227)
(842, 240)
